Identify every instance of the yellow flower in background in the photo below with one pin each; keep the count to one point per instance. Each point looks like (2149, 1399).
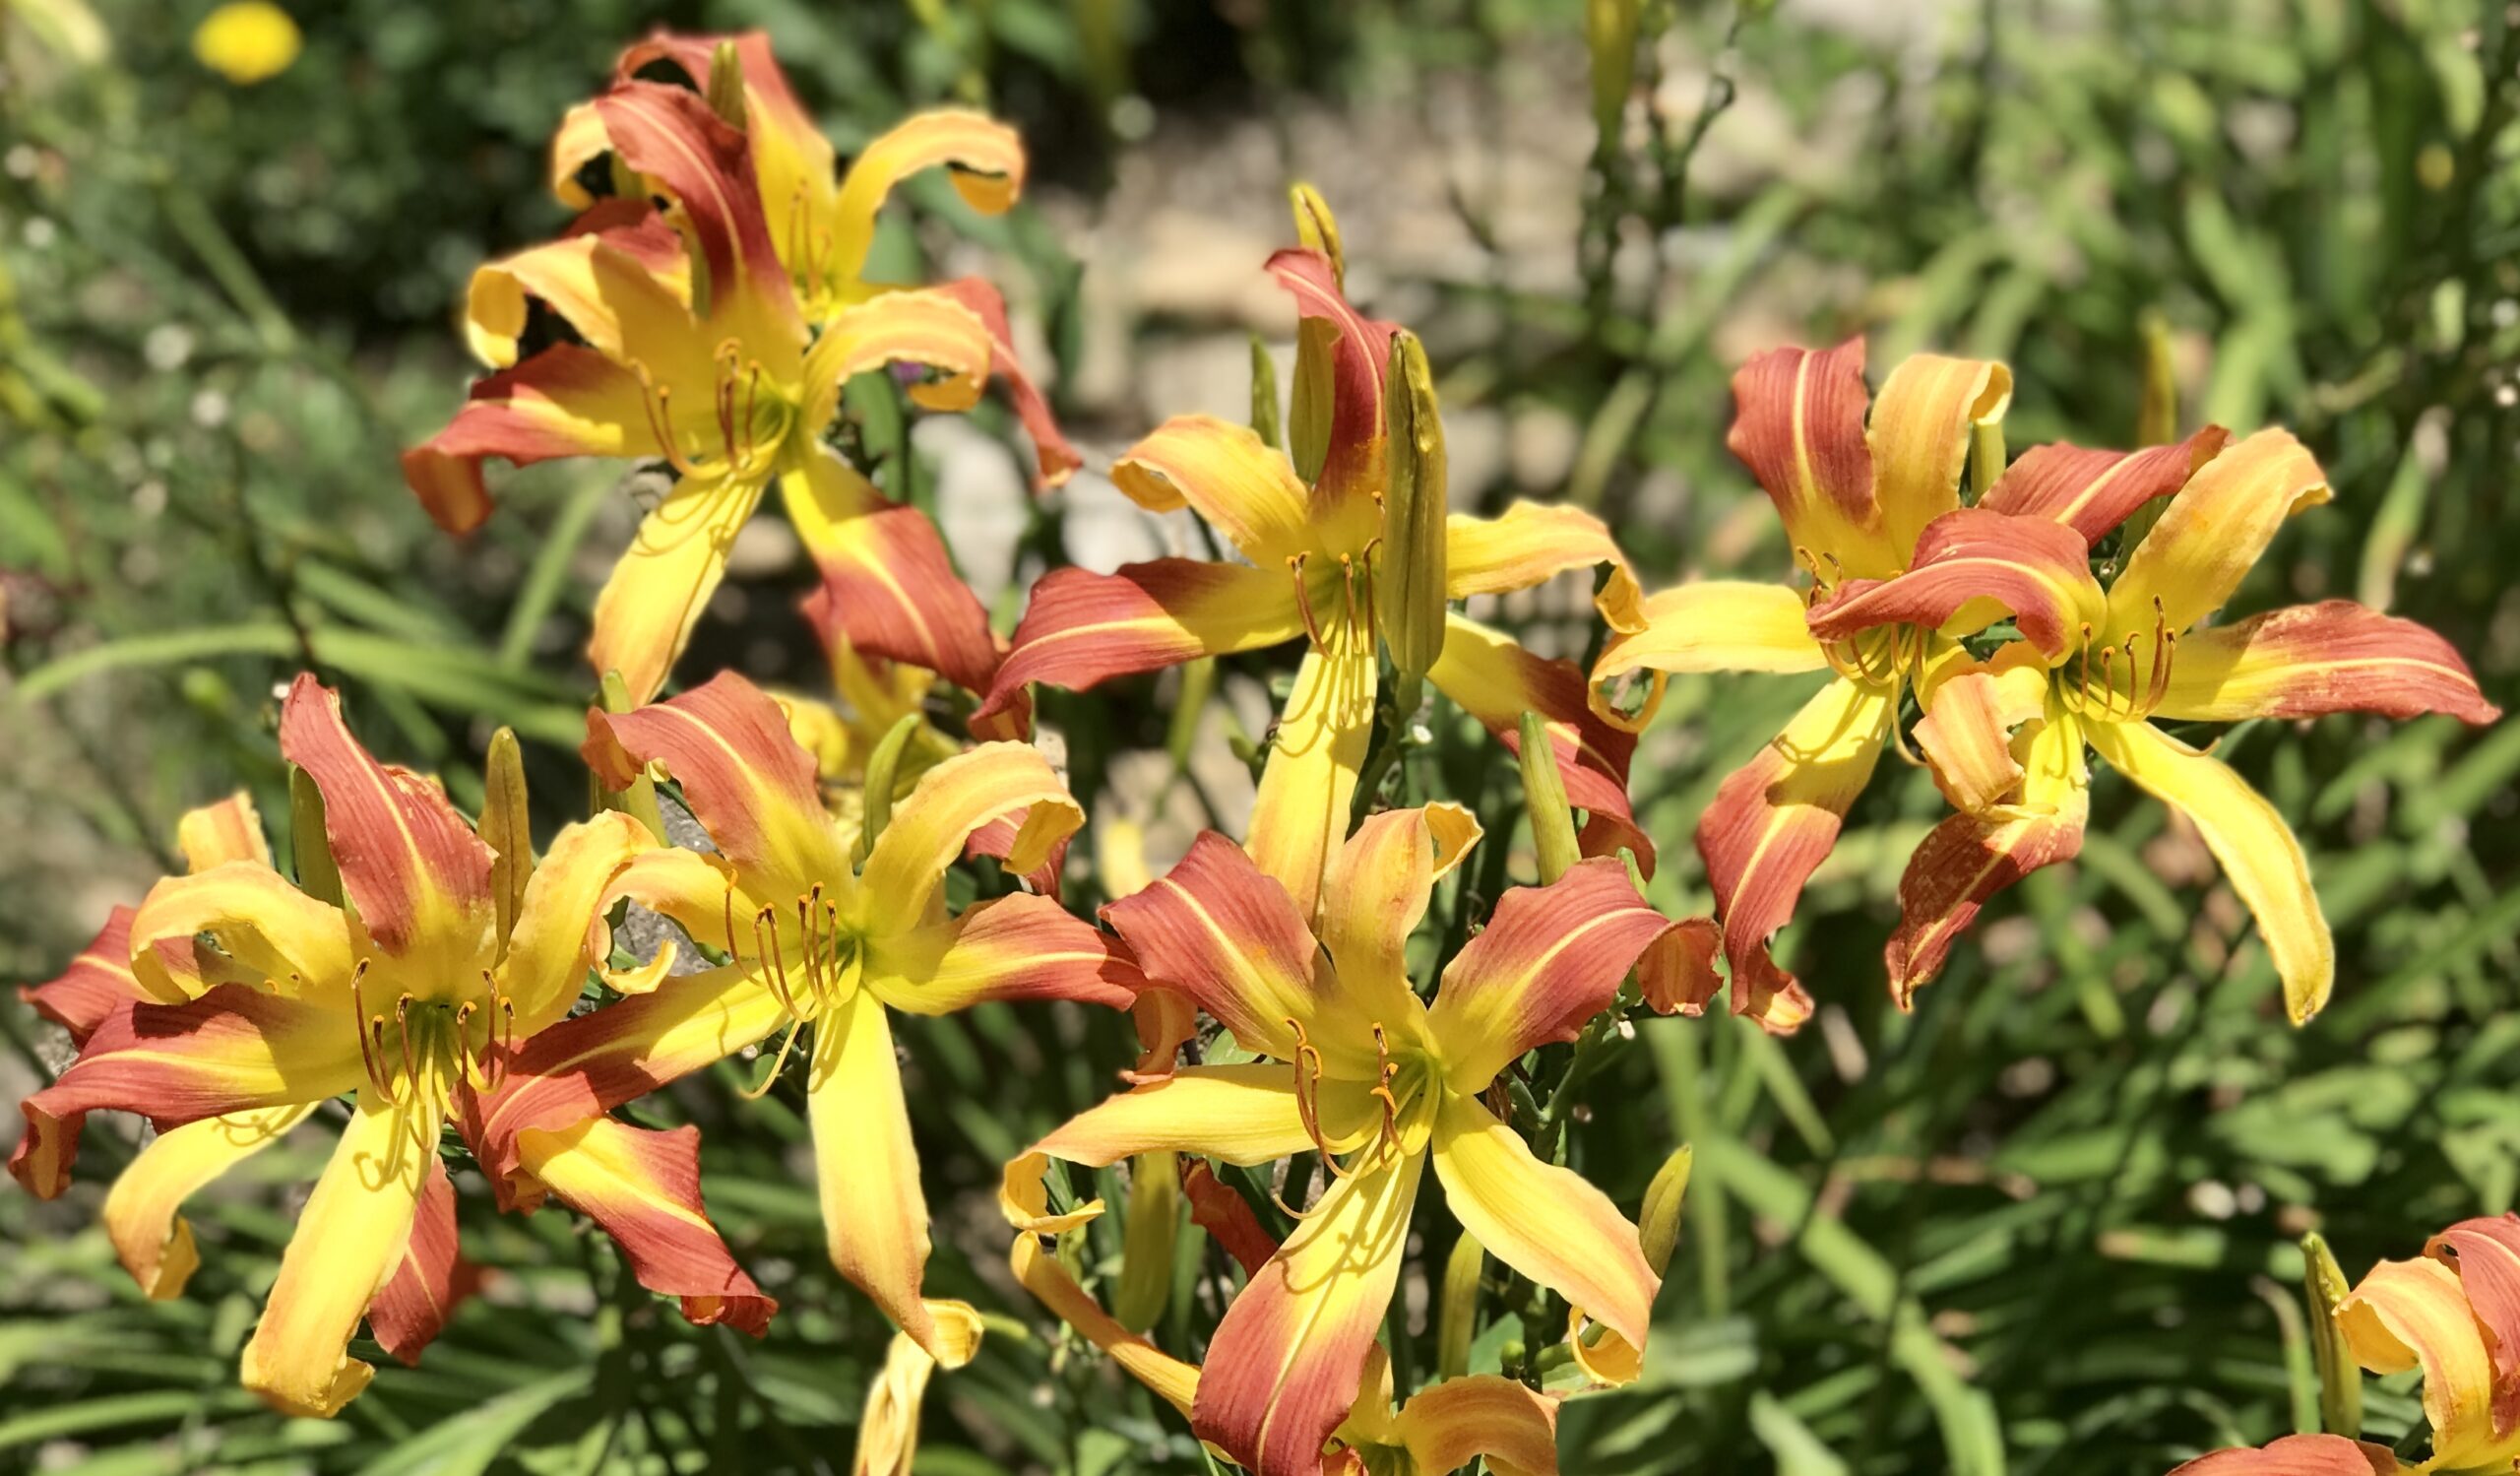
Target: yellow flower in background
(247, 41)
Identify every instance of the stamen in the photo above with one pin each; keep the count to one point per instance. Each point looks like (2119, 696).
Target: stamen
(474, 1071)
(367, 1055)
(384, 1081)
(658, 401)
(778, 956)
(1303, 597)
(507, 1041)
(2109, 680)
(1309, 1103)
(2082, 675)
(777, 1064)
(2165, 650)
(402, 1023)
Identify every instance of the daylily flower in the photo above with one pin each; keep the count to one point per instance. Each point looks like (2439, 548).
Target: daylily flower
(411, 992)
(1364, 1072)
(1316, 570)
(1854, 497)
(1441, 1428)
(820, 935)
(2006, 736)
(696, 347)
(2454, 1312)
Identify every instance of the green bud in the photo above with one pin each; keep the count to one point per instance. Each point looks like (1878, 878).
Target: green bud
(1264, 395)
(310, 851)
(2340, 1376)
(882, 768)
(1318, 229)
(1146, 1249)
(1408, 596)
(1985, 458)
(1657, 1225)
(726, 84)
(2157, 413)
(1198, 684)
(1544, 797)
(1457, 1314)
(506, 827)
(1610, 30)
(1316, 394)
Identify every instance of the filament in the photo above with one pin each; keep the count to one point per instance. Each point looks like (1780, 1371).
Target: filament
(1303, 597)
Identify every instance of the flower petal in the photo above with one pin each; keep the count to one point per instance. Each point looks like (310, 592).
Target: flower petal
(2310, 660)
(2410, 1313)
(213, 835)
(867, 1168)
(1283, 1369)
(1309, 782)
(985, 155)
(560, 929)
(1551, 958)
(143, 1212)
(1055, 458)
(1345, 494)
(645, 613)
(1772, 821)
(743, 774)
(2213, 531)
(1531, 542)
(95, 983)
(1972, 568)
(236, 1049)
(1677, 973)
(888, 585)
(1496, 680)
(1081, 628)
(1547, 1222)
(1227, 936)
(1227, 1217)
(1713, 625)
(1171, 1380)
(2258, 852)
(1374, 896)
(412, 867)
(1919, 436)
(965, 794)
(617, 277)
(2092, 491)
(1971, 711)
(1447, 1425)
(670, 134)
(1008, 948)
(2297, 1455)
(910, 330)
(269, 928)
(1799, 426)
(2485, 1253)
(1969, 857)
(428, 1279)
(642, 1188)
(566, 401)
(347, 1242)
(1243, 487)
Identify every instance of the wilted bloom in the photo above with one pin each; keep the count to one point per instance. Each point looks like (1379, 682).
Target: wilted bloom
(1362, 1072)
(821, 935)
(1320, 569)
(2093, 667)
(1854, 497)
(1442, 1427)
(698, 346)
(411, 992)
(2453, 1314)
(888, 1430)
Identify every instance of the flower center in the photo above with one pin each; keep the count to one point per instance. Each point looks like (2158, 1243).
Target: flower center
(2142, 671)
(428, 1046)
(1353, 593)
(1401, 1085)
(751, 427)
(1870, 658)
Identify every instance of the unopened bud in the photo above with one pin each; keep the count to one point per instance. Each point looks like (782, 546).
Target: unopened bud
(506, 828)
(1318, 229)
(1457, 1321)
(883, 768)
(1657, 1225)
(1146, 1249)
(1264, 395)
(2157, 413)
(310, 851)
(2340, 1374)
(1985, 458)
(1316, 397)
(1609, 29)
(1544, 799)
(639, 800)
(1409, 592)
(726, 84)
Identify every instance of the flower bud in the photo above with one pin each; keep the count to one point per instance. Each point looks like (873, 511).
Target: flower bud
(1318, 229)
(726, 84)
(1146, 1249)
(1409, 592)
(1610, 30)
(310, 853)
(506, 828)
(1457, 1321)
(2157, 413)
(883, 768)
(1544, 799)
(2340, 1373)
(1264, 396)
(1657, 1225)
(1316, 394)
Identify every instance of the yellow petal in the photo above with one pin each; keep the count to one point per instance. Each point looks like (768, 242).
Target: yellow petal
(2258, 852)
(216, 834)
(2213, 532)
(875, 1215)
(1300, 815)
(648, 607)
(1920, 433)
(2414, 1313)
(142, 1211)
(927, 830)
(1243, 487)
(1547, 1222)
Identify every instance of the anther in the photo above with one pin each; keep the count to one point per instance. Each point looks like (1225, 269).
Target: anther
(403, 1024)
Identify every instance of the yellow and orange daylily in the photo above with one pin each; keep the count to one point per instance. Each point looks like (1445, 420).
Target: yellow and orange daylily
(716, 336)
(1362, 1072)
(822, 937)
(1441, 1428)
(1854, 493)
(2093, 667)
(1317, 571)
(413, 991)
(2454, 1314)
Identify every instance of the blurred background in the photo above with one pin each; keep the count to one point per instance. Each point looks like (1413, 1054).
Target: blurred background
(2044, 1224)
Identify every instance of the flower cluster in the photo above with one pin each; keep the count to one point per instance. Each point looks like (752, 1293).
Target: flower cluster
(415, 970)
